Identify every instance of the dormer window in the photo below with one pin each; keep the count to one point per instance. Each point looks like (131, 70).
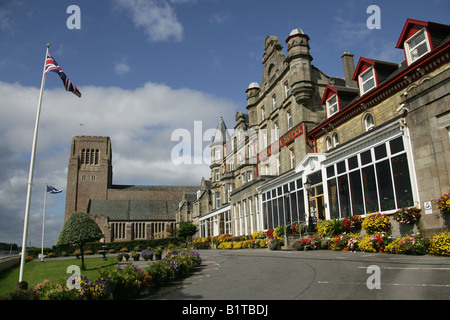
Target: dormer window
(367, 81)
(417, 46)
(332, 105)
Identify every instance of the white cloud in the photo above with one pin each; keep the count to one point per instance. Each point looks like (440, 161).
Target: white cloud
(220, 18)
(156, 17)
(139, 122)
(121, 68)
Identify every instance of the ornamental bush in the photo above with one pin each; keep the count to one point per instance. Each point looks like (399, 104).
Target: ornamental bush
(413, 244)
(366, 245)
(329, 228)
(376, 223)
(440, 244)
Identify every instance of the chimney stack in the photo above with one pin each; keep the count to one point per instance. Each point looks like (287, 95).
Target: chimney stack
(349, 69)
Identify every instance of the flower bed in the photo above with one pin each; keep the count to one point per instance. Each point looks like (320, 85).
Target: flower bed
(120, 283)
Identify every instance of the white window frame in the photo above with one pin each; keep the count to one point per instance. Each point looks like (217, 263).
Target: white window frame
(216, 153)
(408, 49)
(331, 105)
(289, 119)
(263, 113)
(286, 89)
(217, 200)
(363, 82)
(335, 139)
(276, 132)
(292, 157)
(274, 102)
(216, 175)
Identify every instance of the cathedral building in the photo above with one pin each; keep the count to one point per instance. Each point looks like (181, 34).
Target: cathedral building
(123, 212)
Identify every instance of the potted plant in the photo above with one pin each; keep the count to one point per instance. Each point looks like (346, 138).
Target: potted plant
(147, 254)
(126, 256)
(158, 252)
(407, 215)
(275, 244)
(119, 256)
(444, 203)
(135, 255)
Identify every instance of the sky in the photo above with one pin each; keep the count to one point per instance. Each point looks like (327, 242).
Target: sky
(147, 69)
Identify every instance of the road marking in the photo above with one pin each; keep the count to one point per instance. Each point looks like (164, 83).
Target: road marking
(408, 268)
(388, 284)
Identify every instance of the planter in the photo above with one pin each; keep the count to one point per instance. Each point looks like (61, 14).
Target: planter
(381, 250)
(157, 256)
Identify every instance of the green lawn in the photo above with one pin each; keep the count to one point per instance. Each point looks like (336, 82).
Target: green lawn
(54, 270)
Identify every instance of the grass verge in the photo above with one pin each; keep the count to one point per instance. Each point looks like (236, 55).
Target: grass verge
(54, 270)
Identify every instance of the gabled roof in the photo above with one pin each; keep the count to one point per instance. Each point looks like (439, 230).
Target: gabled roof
(378, 64)
(134, 210)
(339, 90)
(437, 31)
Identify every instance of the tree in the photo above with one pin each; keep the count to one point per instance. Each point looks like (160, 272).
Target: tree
(186, 230)
(79, 229)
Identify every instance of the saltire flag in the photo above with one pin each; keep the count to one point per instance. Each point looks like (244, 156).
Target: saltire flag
(51, 65)
(51, 189)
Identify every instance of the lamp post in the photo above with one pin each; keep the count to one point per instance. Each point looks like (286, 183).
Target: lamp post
(307, 186)
(286, 206)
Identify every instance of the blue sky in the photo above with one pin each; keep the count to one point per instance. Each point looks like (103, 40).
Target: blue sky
(146, 68)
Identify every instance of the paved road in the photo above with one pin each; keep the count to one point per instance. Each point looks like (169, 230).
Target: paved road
(303, 275)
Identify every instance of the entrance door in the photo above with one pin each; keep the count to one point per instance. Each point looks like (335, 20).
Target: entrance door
(316, 203)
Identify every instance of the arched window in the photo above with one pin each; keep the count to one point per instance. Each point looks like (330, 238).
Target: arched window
(329, 144)
(369, 122)
(335, 139)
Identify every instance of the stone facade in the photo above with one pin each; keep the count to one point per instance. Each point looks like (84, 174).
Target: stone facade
(408, 103)
(376, 140)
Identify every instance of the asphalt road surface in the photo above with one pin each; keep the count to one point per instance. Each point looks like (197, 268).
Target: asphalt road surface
(261, 274)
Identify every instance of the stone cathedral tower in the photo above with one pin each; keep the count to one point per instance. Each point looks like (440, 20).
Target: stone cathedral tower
(89, 174)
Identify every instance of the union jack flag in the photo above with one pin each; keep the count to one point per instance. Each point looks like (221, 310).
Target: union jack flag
(51, 65)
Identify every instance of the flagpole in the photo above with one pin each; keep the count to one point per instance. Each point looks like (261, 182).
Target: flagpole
(30, 178)
(43, 224)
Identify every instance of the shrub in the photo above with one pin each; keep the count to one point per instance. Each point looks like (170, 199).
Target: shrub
(373, 242)
(366, 245)
(329, 228)
(340, 242)
(413, 244)
(127, 282)
(376, 223)
(279, 232)
(440, 244)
